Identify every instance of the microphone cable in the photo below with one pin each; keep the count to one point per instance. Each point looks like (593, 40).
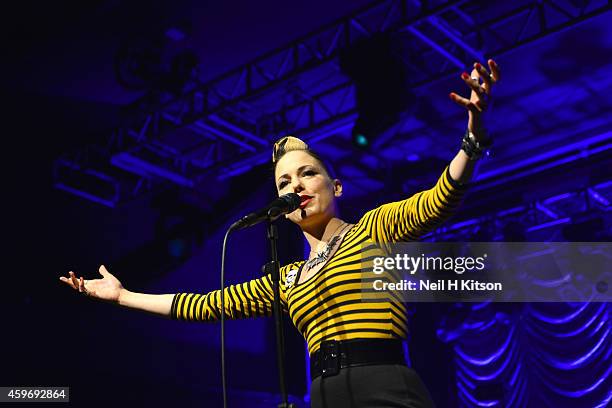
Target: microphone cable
(291, 202)
(223, 376)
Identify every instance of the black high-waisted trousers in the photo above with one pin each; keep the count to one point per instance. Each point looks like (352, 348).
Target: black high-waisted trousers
(374, 386)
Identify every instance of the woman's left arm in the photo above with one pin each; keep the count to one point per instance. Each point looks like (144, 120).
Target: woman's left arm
(480, 82)
(409, 219)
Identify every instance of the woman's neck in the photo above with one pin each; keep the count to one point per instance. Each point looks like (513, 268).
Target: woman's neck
(322, 233)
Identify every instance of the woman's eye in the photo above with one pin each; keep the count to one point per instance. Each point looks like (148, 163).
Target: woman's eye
(282, 185)
(309, 173)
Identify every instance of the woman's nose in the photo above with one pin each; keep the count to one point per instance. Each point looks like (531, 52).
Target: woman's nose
(297, 186)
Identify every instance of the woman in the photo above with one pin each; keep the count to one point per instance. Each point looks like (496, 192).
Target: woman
(355, 344)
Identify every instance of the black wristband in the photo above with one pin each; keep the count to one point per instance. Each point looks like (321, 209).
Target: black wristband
(472, 147)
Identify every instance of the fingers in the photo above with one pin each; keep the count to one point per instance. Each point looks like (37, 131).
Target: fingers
(466, 103)
(488, 78)
(484, 75)
(75, 283)
(103, 271)
(472, 83)
(478, 101)
(67, 281)
(82, 285)
(495, 72)
(479, 91)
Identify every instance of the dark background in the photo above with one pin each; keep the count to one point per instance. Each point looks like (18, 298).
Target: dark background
(61, 95)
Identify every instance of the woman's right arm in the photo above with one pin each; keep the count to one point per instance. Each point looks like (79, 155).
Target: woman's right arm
(109, 289)
(249, 299)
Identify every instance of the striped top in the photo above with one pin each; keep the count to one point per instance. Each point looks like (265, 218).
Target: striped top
(331, 304)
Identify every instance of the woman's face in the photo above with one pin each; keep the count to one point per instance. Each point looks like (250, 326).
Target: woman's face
(299, 172)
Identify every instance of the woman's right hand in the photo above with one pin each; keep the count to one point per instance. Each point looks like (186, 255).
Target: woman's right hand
(108, 288)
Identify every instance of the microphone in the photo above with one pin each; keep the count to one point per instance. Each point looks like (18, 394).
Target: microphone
(282, 205)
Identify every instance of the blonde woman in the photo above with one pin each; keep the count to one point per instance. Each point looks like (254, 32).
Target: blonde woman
(361, 339)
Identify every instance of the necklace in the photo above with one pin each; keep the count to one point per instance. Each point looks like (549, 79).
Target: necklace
(332, 234)
(324, 254)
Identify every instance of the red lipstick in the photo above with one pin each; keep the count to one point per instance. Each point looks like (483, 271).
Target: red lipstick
(305, 200)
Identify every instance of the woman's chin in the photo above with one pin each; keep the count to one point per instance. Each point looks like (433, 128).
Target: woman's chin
(298, 216)
(309, 217)
(303, 215)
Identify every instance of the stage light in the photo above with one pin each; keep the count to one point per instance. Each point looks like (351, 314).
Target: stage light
(360, 140)
(381, 85)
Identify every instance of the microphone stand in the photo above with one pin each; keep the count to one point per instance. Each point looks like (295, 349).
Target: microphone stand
(273, 268)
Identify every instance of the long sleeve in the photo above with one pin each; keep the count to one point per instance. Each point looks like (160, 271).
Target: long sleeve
(249, 299)
(409, 219)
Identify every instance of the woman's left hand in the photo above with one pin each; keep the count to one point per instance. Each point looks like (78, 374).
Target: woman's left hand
(480, 82)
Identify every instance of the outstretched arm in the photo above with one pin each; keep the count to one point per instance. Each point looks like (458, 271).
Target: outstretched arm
(409, 219)
(480, 82)
(248, 299)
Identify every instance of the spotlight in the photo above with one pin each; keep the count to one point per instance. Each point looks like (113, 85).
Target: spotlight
(360, 140)
(381, 85)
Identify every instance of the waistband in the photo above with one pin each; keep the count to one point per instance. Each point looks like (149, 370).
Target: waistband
(334, 355)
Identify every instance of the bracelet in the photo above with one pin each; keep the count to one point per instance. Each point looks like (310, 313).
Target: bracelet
(472, 147)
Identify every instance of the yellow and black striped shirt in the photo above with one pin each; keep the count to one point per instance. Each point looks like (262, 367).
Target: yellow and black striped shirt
(330, 305)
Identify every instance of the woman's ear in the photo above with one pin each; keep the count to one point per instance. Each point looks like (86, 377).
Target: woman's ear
(337, 188)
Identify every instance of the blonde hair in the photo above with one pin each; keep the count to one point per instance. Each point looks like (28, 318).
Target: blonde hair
(291, 143)
(287, 144)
